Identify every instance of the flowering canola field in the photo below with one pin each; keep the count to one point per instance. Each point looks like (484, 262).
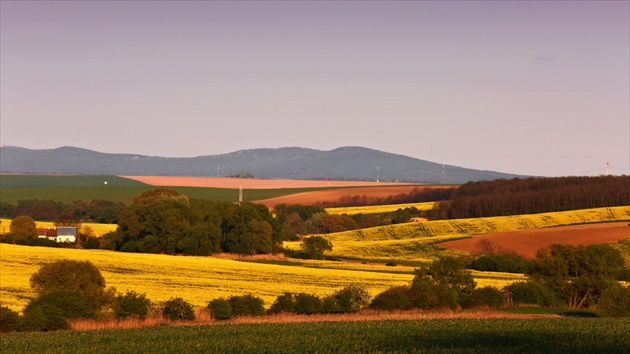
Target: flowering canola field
(377, 209)
(196, 279)
(99, 229)
(415, 240)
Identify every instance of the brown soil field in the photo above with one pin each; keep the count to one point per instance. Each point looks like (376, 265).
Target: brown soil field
(252, 183)
(528, 242)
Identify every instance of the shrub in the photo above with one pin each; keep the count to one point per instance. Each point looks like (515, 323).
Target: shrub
(9, 320)
(532, 293)
(82, 277)
(72, 304)
(330, 305)
(486, 296)
(394, 298)
(425, 295)
(220, 308)
(246, 305)
(315, 246)
(352, 297)
(178, 309)
(131, 304)
(308, 303)
(283, 303)
(615, 301)
(504, 262)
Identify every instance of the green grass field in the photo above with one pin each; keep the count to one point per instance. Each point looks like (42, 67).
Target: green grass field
(561, 335)
(70, 188)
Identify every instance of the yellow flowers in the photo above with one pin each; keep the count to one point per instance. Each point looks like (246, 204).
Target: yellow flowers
(414, 241)
(377, 209)
(97, 229)
(197, 279)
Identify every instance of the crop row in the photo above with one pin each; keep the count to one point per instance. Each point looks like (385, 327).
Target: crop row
(443, 335)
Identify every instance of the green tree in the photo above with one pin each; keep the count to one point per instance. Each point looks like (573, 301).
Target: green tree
(178, 309)
(220, 308)
(131, 304)
(579, 273)
(23, 226)
(9, 320)
(246, 305)
(352, 298)
(315, 246)
(82, 277)
(615, 301)
(283, 303)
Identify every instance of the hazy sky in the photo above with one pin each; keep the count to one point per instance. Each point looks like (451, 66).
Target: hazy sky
(530, 87)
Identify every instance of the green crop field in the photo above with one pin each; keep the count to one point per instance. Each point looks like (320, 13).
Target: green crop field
(70, 188)
(561, 335)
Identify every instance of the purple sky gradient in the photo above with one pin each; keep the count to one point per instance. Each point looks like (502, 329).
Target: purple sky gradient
(530, 87)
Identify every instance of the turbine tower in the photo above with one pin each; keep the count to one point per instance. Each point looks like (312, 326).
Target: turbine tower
(607, 168)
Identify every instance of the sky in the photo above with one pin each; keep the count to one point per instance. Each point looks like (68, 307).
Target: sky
(526, 87)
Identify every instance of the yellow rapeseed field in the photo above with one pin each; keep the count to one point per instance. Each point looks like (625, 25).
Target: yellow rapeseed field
(414, 241)
(201, 279)
(377, 209)
(196, 279)
(98, 229)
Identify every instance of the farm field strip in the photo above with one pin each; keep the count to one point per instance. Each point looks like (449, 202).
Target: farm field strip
(429, 335)
(99, 229)
(377, 209)
(408, 241)
(197, 279)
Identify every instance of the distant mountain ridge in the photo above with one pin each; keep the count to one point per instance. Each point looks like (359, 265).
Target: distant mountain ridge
(344, 163)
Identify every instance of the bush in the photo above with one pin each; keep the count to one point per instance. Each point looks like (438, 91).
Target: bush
(283, 303)
(394, 298)
(131, 304)
(532, 293)
(504, 262)
(615, 301)
(486, 296)
(9, 320)
(351, 298)
(425, 295)
(315, 246)
(247, 305)
(220, 308)
(71, 303)
(82, 277)
(178, 309)
(308, 304)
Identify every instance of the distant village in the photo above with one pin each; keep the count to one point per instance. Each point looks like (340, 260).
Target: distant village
(59, 234)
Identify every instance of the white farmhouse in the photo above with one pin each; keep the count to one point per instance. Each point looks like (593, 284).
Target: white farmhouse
(66, 234)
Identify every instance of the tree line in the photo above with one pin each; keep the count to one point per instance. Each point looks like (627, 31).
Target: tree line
(534, 195)
(95, 210)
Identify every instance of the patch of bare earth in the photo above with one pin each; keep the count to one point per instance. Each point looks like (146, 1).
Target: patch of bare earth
(528, 242)
(249, 183)
(204, 318)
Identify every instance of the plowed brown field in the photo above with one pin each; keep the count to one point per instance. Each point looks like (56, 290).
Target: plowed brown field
(527, 242)
(370, 189)
(250, 183)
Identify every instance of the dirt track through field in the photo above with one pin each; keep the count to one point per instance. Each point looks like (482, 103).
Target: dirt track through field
(528, 242)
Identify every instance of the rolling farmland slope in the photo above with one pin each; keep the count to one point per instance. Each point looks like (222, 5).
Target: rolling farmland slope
(416, 241)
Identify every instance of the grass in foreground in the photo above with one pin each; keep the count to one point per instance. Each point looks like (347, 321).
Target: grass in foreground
(439, 335)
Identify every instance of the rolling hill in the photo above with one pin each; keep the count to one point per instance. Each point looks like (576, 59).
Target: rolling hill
(345, 163)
